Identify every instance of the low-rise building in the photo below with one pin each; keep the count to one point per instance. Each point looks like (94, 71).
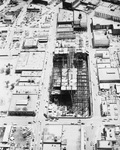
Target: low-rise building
(80, 19)
(104, 11)
(103, 54)
(23, 105)
(104, 109)
(59, 137)
(33, 8)
(21, 137)
(116, 29)
(104, 145)
(100, 39)
(108, 75)
(101, 23)
(30, 43)
(30, 61)
(30, 90)
(31, 74)
(65, 16)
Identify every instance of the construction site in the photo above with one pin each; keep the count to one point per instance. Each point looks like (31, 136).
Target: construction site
(70, 84)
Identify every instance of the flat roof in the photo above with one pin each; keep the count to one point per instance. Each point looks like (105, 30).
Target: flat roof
(31, 104)
(104, 144)
(73, 142)
(103, 61)
(116, 26)
(32, 61)
(25, 90)
(65, 15)
(63, 134)
(52, 131)
(30, 80)
(111, 132)
(104, 107)
(108, 75)
(22, 136)
(31, 73)
(101, 21)
(99, 35)
(51, 147)
(100, 39)
(30, 42)
(2, 131)
(103, 65)
(105, 9)
(102, 49)
(118, 88)
(105, 86)
(83, 19)
(105, 54)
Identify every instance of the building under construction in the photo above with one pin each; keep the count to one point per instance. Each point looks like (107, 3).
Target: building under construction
(70, 83)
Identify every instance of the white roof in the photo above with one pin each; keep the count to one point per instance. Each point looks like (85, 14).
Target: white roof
(105, 144)
(65, 15)
(103, 66)
(103, 61)
(51, 146)
(30, 42)
(106, 10)
(116, 26)
(118, 88)
(110, 134)
(108, 74)
(101, 21)
(100, 39)
(106, 54)
(104, 106)
(22, 102)
(30, 61)
(104, 86)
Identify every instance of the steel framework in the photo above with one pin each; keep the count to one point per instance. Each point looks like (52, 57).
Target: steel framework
(77, 101)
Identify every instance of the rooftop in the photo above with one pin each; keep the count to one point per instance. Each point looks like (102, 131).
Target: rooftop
(62, 134)
(65, 15)
(21, 137)
(30, 43)
(104, 144)
(107, 8)
(32, 61)
(2, 131)
(108, 75)
(100, 39)
(21, 103)
(31, 90)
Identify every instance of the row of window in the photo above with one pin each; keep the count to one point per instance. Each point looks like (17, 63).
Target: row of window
(107, 16)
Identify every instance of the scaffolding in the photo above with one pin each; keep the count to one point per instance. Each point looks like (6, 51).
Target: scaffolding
(77, 100)
(81, 99)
